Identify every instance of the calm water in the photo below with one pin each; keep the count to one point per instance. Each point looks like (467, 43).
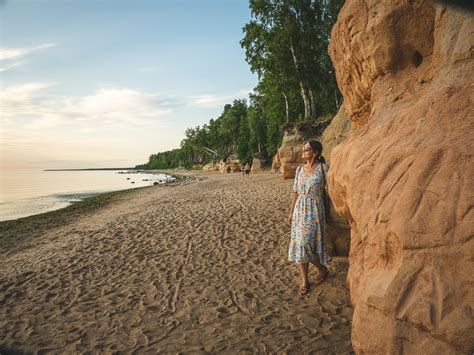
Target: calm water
(26, 193)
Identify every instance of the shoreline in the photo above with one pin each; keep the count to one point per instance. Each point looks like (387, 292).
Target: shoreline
(15, 232)
(200, 266)
(67, 198)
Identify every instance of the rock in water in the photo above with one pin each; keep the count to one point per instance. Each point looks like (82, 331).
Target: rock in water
(404, 177)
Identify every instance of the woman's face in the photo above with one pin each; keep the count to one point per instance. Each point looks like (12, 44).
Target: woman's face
(307, 152)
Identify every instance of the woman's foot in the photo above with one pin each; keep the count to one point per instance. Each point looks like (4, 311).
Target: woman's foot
(322, 275)
(304, 289)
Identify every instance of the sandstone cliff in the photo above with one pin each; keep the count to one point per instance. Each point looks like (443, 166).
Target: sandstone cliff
(289, 153)
(258, 164)
(230, 165)
(276, 163)
(212, 166)
(337, 132)
(404, 177)
(338, 228)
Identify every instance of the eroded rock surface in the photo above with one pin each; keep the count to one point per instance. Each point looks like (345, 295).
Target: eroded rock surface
(258, 164)
(276, 163)
(289, 154)
(337, 132)
(211, 167)
(231, 165)
(404, 177)
(338, 229)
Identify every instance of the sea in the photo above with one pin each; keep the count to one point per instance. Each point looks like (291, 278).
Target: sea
(26, 193)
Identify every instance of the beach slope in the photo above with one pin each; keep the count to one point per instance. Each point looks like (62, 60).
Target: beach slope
(200, 267)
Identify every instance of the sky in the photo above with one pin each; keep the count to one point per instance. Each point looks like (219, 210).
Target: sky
(107, 83)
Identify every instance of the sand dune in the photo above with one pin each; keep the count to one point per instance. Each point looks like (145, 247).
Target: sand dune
(194, 268)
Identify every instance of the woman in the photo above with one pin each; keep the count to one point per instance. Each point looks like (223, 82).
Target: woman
(307, 218)
(247, 169)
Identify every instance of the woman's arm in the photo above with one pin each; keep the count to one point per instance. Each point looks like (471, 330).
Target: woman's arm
(292, 207)
(294, 197)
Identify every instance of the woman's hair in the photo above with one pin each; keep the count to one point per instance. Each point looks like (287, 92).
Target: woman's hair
(317, 147)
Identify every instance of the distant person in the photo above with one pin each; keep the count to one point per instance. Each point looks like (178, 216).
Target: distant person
(307, 215)
(242, 169)
(247, 170)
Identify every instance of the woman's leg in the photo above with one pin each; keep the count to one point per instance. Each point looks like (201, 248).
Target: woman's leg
(323, 271)
(304, 278)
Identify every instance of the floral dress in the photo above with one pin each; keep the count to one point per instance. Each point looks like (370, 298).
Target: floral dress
(308, 229)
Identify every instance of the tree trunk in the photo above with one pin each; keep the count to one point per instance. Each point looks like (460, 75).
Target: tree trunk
(287, 113)
(313, 104)
(306, 103)
(304, 94)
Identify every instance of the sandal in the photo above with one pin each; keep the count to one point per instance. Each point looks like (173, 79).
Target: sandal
(304, 290)
(322, 276)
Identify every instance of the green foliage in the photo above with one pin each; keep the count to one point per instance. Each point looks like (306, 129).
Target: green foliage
(231, 122)
(258, 130)
(243, 147)
(286, 45)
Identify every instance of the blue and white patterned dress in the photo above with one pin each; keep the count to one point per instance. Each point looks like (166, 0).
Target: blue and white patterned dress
(308, 229)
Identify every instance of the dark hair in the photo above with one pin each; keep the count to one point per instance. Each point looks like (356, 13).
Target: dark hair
(317, 147)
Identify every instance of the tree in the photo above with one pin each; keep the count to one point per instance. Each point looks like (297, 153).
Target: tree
(258, 129)
(230, 124)
(286, 44)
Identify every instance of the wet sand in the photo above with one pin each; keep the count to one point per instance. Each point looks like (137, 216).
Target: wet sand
(200, 267)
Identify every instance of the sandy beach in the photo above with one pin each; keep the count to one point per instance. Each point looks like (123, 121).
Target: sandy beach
(196, 267)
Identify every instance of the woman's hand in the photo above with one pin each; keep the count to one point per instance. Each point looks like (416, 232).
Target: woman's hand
(290, 218)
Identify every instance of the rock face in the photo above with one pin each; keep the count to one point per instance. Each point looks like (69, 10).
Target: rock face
(276, 163)
(404, 178)
(258, 164)
(230, 165)
(338, 229)
(337, 132)
(289, 154)
(211, 167)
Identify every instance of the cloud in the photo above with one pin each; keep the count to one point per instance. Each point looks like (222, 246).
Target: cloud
(28, 106)
(147, 70)
(13, 57)
(20, 101)
(20, 93)
(119, 105)
(37, 126)
(10, 66)
(214, 101)
(16, 53)
(38, 150)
